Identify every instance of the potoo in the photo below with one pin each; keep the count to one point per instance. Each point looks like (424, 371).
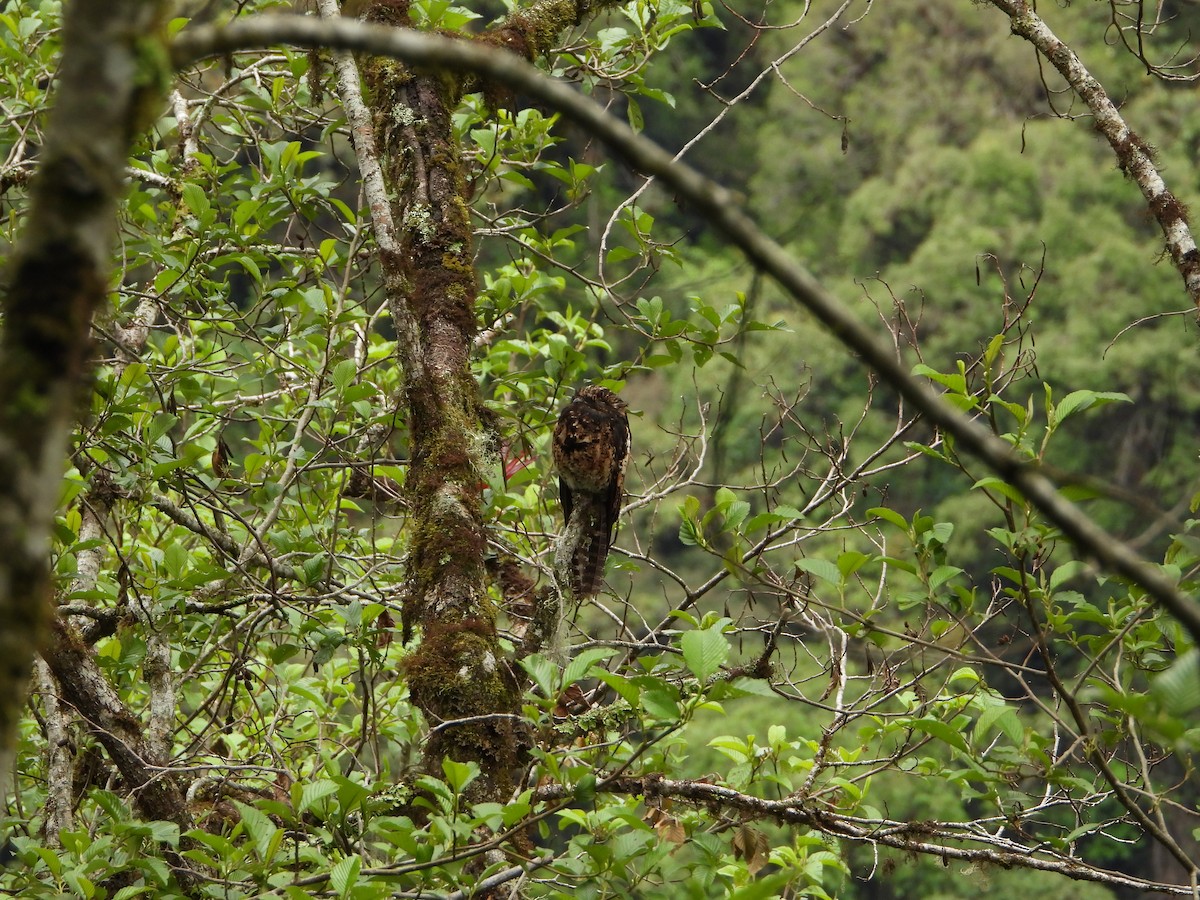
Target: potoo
(591, 452)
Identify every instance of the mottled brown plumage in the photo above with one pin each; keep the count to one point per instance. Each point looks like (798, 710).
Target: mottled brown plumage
(591, 452)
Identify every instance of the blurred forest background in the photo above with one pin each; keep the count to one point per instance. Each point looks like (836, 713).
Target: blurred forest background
(934, 174)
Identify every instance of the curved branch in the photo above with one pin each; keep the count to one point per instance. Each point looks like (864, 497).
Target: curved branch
(940, 839)
(719, 207)
(1134, 156)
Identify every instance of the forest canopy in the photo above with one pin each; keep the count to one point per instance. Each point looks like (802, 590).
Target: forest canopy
(301, 300)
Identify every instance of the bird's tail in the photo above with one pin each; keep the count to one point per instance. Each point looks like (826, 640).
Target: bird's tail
(587, 561)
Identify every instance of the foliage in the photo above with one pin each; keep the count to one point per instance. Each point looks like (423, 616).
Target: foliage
(832, 645)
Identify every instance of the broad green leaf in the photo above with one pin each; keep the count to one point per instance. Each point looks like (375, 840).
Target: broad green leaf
(541, 670)
(195, 198)
(260, 828)
(459, 775)
(889, 515)
(1178, 687)
(1000, 486)
(955, 382)
(735, 514)
(704, 651)
(1078, 401)
(938, 729)
(626, 689)
(314, 792)
(941, 575)
(344, 875)
(343, 373)
(658, 698)
(820, 568)
(581, 665)
(1002, 716)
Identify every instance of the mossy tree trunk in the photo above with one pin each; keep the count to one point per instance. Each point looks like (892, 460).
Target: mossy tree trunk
(458, 673)
(114, 65)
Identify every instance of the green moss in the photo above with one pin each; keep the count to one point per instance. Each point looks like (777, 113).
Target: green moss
(457, 672)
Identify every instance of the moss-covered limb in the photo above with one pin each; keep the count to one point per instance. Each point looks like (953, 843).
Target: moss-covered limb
(457, 676)
(113, 65)
(529, 33)
(458, 673)
(86, 689)
(461, 682)
(432, 278)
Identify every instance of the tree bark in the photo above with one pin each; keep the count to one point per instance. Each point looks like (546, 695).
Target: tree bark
(123, 736)
(458, 675)
(113, 64)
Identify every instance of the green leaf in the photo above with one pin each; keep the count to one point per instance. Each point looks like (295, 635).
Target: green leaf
(1002, 716)
(626, 689)
(993, 349)
(724, 498)
(165, 833)
(1000, 486)
(941, 575)
(939, 730)
(955, 382)
(314, 792)
(735, 515)
(1078, 401)
(163, 468)
(889, 515)
(542, 671)
(585, 789)
(851, 561)
(1178, 687)
(459, 775)
(196, 198)
(762, 888)
(690, 532)
(345, 874)
(314, 567)
(260, 828)
(704, 651)
(758, 687)
(175, 559)
(820, 568)
(658, 698)
(343, 373)
(634, 113)
(581, 665)
(1066, 572)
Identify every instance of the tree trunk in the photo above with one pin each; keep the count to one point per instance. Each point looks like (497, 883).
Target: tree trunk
(112, 66)
(458, 673)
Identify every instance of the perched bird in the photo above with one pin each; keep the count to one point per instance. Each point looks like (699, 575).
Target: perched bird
(591, 452)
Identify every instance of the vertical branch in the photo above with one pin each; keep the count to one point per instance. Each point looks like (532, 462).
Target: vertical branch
(58, 277)
(155, 794)
(60, 797)
(457, 674)
(59, 772)
(425, 249)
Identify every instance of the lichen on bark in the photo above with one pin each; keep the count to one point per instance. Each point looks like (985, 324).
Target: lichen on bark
(57, 277)
(458, 674)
